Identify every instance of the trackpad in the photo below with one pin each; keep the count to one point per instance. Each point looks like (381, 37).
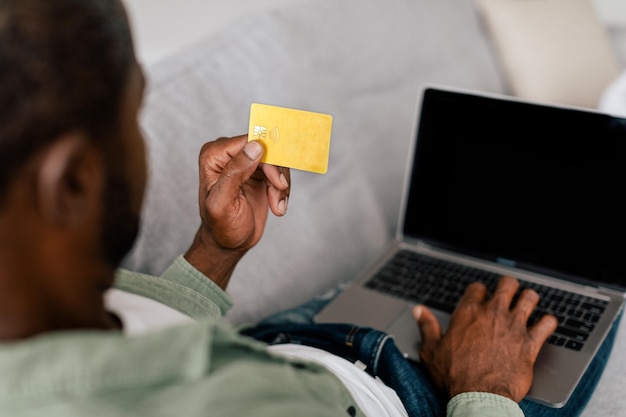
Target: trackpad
(407, 335)
(362, 307)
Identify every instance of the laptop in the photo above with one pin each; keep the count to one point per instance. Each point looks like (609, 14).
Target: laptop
(500, 186)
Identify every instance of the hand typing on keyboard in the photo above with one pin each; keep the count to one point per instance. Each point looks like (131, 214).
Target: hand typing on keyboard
(488, 346)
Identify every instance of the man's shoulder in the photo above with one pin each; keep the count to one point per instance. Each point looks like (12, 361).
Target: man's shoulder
(185, 369)
(181, 287)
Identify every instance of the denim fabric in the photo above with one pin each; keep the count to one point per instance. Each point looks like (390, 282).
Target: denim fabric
(373, 348)
(383, 359)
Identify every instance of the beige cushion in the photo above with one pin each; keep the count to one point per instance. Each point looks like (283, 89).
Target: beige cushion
(551, 50)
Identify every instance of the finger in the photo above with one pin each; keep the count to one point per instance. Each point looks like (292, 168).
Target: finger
(541, 331)
(503, 295)
(429, 327)
(244, 163)
(236, 172)
(278, 177)
(287, 174)
(278, 195)
(278, 200)
(475, 293)
(525, 305)
(214, 156)
(226, 148)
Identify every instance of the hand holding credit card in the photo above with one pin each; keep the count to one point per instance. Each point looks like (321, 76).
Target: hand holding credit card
(292, 138)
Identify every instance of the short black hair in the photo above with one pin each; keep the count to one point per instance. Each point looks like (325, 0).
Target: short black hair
(64, 65)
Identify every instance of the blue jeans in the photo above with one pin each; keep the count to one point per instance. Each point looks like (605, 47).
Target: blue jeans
(383, 359)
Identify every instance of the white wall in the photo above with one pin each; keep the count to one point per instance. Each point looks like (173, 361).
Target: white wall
(163, 26)
(612, 12)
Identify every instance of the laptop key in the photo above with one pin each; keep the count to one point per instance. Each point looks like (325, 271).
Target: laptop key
(557, 340)
(579, 325)
(574, 345)
(593, 308)
(572, 334)
(439, 305)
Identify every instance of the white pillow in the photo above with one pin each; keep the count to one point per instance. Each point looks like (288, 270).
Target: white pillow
(613, 100)
(551, 50)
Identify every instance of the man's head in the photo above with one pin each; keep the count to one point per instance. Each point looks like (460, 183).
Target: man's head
(72, 167)
(63, 66)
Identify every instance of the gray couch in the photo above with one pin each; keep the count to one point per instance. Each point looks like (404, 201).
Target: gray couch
(364, 62)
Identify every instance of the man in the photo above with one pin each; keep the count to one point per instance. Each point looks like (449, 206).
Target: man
(72, 176)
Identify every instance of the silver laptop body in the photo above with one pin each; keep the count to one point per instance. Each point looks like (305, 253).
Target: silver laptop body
(512, 188)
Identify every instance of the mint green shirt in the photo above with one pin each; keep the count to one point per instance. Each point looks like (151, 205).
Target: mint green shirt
(202, 369)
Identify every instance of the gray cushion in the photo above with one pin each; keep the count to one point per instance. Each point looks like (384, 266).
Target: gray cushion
(337, 57)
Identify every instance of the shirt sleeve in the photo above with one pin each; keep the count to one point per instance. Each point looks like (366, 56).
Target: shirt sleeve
(482, 404)
(181, 287)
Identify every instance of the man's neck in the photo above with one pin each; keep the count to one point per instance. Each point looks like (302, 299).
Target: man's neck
(33, 317)
(31, 305)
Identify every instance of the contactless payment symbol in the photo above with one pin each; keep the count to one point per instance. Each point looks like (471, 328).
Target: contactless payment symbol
(274, 135)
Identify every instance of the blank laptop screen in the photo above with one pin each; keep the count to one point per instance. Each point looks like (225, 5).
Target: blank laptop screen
(534, 186)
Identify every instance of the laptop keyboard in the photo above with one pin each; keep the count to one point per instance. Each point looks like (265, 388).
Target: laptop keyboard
(440, 284)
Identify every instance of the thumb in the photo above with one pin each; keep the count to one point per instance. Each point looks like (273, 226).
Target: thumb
(253, 150)
(428, 324)
(225, 204)
(237, 171)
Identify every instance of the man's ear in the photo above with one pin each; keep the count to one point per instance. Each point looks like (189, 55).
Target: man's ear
(69, 180)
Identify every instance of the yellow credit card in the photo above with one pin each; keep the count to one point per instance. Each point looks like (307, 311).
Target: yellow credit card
(292, 138)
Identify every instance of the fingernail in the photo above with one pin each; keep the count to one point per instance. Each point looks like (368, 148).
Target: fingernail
(253, 149)
(283, 179)
(417, 312)
(282, 205)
